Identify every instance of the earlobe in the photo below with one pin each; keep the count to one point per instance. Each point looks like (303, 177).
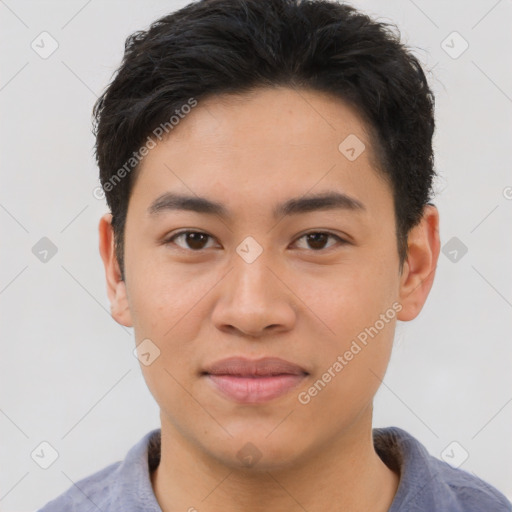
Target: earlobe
(116, 287)
(423, 247)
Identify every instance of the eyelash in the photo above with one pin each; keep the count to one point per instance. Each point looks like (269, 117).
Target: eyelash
(180, 233)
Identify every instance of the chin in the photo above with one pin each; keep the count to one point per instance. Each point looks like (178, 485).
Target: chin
(259, 452)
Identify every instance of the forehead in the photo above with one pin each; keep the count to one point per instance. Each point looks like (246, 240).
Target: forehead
(272, 116)
(273, 142)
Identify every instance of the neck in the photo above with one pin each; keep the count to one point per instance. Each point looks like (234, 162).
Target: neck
(346, 474)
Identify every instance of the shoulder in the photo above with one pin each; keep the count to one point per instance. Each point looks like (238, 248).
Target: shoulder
(123, 486)
(91, 493)
(430, 484)
(469, 492)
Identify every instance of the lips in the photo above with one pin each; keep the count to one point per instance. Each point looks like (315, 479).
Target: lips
(241, 367)
(254, 381)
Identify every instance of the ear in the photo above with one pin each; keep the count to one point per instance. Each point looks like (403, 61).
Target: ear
(116, 287)
(419, 268)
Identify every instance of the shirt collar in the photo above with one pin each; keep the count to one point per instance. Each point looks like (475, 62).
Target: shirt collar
(132, 490)
(405, 455)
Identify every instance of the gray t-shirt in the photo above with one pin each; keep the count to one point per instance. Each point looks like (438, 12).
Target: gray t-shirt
(426, 484)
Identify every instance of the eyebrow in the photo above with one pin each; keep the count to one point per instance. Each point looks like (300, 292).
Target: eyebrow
(294, 206)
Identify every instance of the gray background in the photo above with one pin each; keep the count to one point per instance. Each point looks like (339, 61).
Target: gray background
(67, 372)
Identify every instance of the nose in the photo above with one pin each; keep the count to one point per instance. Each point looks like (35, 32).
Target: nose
(253, 301)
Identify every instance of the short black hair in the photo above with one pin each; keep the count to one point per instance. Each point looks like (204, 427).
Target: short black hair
(213, 47)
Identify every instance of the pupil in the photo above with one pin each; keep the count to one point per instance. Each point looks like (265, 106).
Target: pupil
(193, 238)
(314, 237)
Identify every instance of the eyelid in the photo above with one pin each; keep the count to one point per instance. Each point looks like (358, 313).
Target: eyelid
(346, 239)
(341, 240)
(170, 239)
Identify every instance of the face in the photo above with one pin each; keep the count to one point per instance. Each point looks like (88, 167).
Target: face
(269, 272)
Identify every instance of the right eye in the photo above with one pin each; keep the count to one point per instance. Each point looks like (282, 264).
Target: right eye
(195, 240)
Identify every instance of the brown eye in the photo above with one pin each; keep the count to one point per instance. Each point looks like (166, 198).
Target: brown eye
(317, 240)
(194, 240)
(197, 241)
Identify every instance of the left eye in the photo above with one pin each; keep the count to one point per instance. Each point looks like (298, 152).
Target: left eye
(196, 240)
(317, 239)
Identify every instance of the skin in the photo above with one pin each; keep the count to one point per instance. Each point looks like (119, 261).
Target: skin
(302, 302)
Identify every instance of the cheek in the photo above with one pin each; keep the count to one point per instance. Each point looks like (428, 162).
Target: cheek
(166, 309)
(346, 299)
(356, 310)
(352, 362)
(162, 295)
(169, 305)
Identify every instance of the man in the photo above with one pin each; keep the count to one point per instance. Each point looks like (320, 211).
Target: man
(268, 166)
